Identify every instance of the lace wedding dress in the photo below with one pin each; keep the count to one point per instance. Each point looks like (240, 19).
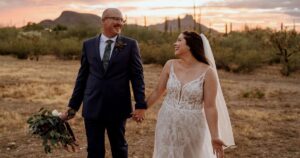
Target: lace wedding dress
(182, 130)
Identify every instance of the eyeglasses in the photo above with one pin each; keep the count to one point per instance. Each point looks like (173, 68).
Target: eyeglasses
(116, 19)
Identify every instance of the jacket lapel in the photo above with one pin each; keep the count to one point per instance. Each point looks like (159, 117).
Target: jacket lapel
(116, 50)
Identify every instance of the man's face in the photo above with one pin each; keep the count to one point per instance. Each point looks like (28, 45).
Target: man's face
(112, 23)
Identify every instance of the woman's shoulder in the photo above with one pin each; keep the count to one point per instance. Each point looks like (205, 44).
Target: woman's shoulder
(168, 64)
(209, 72)
(171, 61)
(203, 66)
(207, 67)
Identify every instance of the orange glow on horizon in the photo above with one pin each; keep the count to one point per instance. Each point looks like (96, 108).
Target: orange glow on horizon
(155, 11)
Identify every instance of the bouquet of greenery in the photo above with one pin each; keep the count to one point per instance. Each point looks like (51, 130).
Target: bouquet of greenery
(52, 129)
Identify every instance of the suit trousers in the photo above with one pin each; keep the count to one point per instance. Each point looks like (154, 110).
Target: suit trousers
(95, 132)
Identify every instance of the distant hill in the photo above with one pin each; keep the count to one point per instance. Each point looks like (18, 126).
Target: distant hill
(187, 23)
(73, 19)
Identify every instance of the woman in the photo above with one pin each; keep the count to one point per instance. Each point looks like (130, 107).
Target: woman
(193, 121)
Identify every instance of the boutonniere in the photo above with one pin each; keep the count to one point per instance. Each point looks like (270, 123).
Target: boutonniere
(120, 44)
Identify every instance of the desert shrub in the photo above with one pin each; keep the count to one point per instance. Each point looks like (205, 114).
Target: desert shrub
(7, 37)
(149, 36)
(4, 47)
(39, 47)
(241, 51)
(235, 52)
(80, 33)
(7, 33)
(21, 48)
(32, 27)
(253, 93)
(247, 61)
(153, 53)
(69, 48)
(295, 62)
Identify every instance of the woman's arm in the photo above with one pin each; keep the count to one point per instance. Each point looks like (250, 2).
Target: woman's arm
(210, 93)
(211, 113)
(156, 93)
(161, 86)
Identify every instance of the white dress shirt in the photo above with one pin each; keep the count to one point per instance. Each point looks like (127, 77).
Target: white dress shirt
(103, 44)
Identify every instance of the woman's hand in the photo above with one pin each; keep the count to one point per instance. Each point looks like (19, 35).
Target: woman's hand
(218, 144)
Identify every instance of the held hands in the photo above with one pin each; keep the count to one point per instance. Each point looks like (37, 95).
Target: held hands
(218, 144)
(138, 115)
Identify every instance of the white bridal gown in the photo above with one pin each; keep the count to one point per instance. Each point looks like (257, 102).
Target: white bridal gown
(182, 130)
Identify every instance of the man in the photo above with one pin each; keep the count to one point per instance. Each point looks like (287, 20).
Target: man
(109, 63)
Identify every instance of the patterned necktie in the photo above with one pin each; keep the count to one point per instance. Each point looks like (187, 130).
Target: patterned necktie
(106, 55)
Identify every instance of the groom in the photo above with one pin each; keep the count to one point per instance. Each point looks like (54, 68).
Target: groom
(109, 63)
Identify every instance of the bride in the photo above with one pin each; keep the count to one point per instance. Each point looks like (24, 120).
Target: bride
(193, 121)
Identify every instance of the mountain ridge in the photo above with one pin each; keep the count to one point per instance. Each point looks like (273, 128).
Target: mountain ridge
(76, 19)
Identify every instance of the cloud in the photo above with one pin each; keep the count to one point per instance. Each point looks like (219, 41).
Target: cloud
(83, 5)
(239, 12)
(10, 3)
(290, 7)
(257, 4)
(293, 12)
(16, 3)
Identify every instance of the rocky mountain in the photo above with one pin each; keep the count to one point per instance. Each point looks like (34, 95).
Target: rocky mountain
(74, 19)
(187, 23)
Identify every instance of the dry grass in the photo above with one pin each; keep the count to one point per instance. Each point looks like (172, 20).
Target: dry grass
(264, 109)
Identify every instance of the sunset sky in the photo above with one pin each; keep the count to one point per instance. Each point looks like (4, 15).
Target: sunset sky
(262, 13)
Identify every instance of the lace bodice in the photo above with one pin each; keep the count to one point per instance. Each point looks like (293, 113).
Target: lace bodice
(188, 96)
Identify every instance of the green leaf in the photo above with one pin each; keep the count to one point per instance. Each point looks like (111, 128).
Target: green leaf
(29, 119)
(51, 121)
(53, 142)
(52, 134)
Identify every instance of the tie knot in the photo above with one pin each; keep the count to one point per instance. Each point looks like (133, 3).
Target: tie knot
(109, 41)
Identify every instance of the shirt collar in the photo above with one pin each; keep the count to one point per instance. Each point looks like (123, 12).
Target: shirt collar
(104, 38)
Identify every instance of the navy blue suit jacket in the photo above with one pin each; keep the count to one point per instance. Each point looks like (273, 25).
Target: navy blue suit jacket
(106, 94)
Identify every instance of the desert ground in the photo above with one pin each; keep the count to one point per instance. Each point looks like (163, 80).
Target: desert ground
(264, 108)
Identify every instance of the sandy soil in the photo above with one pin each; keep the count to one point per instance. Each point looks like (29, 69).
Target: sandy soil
(264, 109)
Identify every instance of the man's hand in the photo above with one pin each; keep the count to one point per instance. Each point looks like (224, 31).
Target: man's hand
(138, 115)
(69, 114)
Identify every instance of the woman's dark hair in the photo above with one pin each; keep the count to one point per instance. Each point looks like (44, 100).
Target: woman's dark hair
(194, 41)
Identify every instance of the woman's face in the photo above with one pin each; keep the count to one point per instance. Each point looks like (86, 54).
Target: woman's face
(180, 46)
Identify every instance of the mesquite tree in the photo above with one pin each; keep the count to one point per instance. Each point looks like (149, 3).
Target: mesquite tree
(286, 43)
